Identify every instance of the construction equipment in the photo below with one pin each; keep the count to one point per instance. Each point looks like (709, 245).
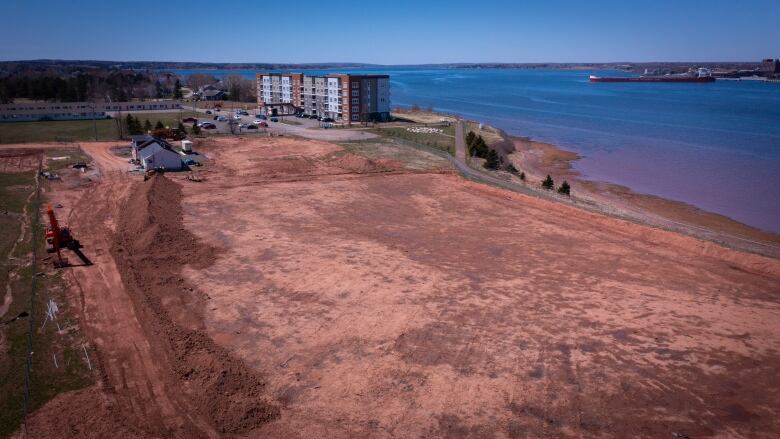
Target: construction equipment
(60, 237)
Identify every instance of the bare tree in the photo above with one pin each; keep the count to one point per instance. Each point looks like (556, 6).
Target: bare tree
(240, 88)
(197, 80)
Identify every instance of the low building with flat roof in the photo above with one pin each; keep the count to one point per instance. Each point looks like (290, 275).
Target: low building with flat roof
(39, 111)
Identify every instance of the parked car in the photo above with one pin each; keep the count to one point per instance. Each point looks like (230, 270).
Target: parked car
(243, 113)
(222, 118)
(262, 117)
(251, 127)
(208, 111)
(242, 125)
(263, 124)
(313, 116)
(326, 119)
(189, 120)
(209, 126)
(300, 115)
(274, 119)
(236, 117)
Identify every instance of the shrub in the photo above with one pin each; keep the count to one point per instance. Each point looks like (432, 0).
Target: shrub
(470, 138)
(565, 189)
(511, 168)
(491, 161)
(522, 176)
(548, 183)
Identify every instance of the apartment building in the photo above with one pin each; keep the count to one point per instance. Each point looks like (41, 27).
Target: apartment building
(342, 97)
(35, 111)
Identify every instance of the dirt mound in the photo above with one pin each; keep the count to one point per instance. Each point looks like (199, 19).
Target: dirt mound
(150, 252)
(82, 413)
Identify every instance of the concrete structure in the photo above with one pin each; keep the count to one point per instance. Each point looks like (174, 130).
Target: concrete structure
(36, 111)
(154, 153)
(342, 97)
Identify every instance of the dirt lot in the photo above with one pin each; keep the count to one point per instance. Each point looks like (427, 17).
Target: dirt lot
(302, 290)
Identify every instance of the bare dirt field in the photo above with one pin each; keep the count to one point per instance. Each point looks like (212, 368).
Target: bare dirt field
(303, 290)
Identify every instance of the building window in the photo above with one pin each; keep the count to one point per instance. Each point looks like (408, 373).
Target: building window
(355, 101)
(355, 117)
(355, 84)
(355, 109)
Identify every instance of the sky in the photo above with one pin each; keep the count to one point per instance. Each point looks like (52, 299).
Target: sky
(391, 32)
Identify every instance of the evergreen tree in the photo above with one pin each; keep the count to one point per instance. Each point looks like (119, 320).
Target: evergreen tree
(147, 126)
(129, 123)
(565, 189)
(159, 126)
(177, 90)
(195, 128)
(182, 128)
(548, 183)
(470, 137)
(491, 161)
(522, 176)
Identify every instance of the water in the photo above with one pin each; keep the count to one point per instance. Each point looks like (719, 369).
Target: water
(716, 146)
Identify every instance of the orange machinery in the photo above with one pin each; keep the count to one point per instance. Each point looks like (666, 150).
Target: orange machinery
(60, 237)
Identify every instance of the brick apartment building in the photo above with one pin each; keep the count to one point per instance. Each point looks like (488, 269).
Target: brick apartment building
(342, 97)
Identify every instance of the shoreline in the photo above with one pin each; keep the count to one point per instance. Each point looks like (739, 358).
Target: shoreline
(538, 159)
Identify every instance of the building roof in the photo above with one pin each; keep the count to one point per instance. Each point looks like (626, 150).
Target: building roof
(212, 93)
(154, 141)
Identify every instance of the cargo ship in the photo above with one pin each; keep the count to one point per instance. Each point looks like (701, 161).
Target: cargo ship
(701, 75)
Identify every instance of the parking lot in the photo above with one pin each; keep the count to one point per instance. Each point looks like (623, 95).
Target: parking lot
(303, 127)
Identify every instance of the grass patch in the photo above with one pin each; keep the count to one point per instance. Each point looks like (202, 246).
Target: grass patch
(412, 155)
(444, 140)
(73, 155)
(289, 122)
(79, 130)
(46, 379)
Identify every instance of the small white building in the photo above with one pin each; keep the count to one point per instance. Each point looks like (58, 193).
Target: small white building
(154, 153)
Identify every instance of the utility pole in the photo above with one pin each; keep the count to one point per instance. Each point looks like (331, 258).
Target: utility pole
(94, 120)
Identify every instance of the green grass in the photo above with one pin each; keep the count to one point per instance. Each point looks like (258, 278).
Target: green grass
(412, 155)
(46, 380)
(444, 141)
(78, 130)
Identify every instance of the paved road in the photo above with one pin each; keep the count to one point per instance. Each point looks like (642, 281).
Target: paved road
(460, 142)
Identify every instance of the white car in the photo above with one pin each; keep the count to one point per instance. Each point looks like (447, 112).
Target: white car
(257, 122)
(237, 117)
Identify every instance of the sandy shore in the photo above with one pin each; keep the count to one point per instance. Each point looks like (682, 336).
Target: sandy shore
(538, 159)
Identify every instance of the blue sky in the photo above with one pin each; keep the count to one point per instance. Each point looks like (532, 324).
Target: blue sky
(391, 32)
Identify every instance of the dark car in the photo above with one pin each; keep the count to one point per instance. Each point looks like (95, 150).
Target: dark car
(208, 111)
(209, 126)
(262, 117)
(274, 119)
(326, 119)
(189, 120)
(300, 115)
(216, 117)
(251, 127)
(263, 124)
(313, 116)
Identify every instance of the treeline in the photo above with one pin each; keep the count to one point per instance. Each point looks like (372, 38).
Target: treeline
(85, 86)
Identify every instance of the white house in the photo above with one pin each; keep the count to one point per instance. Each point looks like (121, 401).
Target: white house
(154, 153)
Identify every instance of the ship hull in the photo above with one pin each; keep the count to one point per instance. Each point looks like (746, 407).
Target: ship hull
(694, 79)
